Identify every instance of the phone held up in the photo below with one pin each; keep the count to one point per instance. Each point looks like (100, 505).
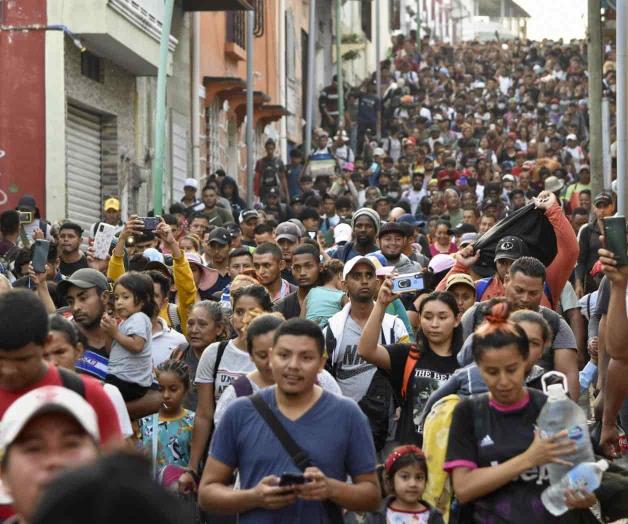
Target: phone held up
(408, 283)
(615, 238)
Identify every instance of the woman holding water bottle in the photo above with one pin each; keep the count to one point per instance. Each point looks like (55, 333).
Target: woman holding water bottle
(495, 454)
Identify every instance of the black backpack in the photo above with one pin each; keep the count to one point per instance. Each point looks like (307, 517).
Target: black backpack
(378, 401)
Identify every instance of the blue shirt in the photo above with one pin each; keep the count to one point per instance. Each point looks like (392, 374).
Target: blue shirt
(333, 432)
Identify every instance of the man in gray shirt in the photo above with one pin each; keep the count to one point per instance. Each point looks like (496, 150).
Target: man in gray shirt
(523, 287)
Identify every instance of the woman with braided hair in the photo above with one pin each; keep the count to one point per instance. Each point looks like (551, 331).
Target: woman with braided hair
(496, 457)
(172, 426)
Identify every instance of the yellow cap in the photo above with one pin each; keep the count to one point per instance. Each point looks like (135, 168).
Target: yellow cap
(112, 203)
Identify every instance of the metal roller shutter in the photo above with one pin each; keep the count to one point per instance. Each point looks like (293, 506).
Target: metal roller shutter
(179, 155)
(83, 167)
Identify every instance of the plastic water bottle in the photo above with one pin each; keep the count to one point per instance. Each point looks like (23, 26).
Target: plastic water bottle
(586, 477)
(561, 413)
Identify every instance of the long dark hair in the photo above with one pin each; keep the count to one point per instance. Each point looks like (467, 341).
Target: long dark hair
(142, 288)
(450, 301)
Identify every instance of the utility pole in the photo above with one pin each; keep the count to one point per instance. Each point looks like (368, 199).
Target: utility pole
(622, 105)
(309, 100)
(341, 84)
(160, 111)
(594, 58)
(250, 153)
(378, 69)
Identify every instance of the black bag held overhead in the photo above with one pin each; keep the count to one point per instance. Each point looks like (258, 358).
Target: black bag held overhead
(529, 224)
(300, 458)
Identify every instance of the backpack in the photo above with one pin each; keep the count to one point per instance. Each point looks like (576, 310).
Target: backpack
(72, 381)
(269, 177)
(439, 489)
(378, 401)
(179, 353)
(243, 387)
(482, 284)
(173, 317)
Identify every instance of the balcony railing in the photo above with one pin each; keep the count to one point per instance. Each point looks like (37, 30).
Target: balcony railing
(145, 15)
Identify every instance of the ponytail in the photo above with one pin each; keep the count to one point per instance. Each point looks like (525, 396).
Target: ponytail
(497, 331)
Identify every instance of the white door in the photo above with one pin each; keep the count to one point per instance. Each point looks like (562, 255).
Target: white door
(83, 167)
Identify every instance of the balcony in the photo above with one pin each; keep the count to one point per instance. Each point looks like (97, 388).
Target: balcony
(124, 31)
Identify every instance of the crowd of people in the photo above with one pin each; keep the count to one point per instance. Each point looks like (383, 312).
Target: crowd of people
(265, 364)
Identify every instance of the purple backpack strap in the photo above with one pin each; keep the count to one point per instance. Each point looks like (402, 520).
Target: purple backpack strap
(243, 387)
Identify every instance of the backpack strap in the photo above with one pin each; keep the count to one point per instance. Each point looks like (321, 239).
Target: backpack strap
(72, 381)
(330, 347)
(243, 387)
(480, 287)
(548, 294)
(221, 351)
(411, 360)
(300, 458)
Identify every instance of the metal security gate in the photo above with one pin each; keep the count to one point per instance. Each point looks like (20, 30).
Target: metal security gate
(179, 158)
(83, 167)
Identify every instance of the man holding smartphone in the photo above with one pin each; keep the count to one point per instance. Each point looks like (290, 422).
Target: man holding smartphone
(244, 440)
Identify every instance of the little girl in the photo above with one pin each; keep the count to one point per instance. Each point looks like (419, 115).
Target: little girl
(173, 424)
(130, 359)
(405, 476)
(325, 301)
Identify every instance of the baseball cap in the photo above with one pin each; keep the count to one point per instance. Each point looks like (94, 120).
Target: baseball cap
(233, 229)
(342, 233)
(46, 399)
(289, 231)
(27, 202)
(391, 227)
(553, 184)
(459, 278)
(191, 182)
(467, 238)
(219, 235)
(604, 197)
(378, 151)
(272, 191)
(85, 278)
(407, 219)
(510, 248)
(372, 260)
(247, 214)
(112, 203)
(509, 177)
(571, 136)
(440, 263)
(463, 228)
(153, 255)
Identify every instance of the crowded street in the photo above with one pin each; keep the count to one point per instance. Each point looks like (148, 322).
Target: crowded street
(313, 261)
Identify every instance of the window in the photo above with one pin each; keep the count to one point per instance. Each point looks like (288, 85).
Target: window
(258, 28)
(91, 66)
(365, 11)
(394, 14)
(236, 28)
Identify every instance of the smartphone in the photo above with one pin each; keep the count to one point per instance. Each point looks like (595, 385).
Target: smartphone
(151, 223)
(615, 238)
(102, 240)
(408, 283)
(26, 217)
(40, 255)
(292, 479)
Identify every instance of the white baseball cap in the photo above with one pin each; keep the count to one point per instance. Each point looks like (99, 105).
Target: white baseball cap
(342, 233)
(47, 399)
(571, 136)
(191, 182)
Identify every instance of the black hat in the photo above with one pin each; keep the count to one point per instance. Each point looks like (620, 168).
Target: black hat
(391, 227)
(511, 248)
(604, 197)
(219, 235)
